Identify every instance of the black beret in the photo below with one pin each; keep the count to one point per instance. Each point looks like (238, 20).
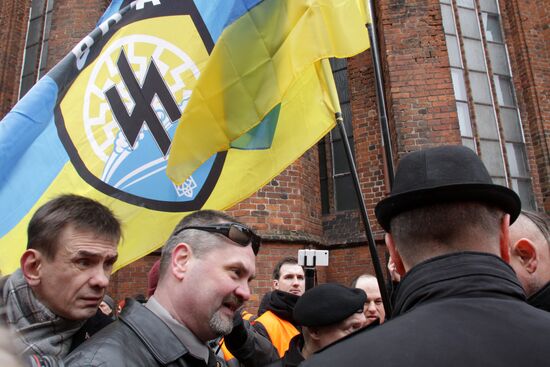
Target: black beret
(328, 304)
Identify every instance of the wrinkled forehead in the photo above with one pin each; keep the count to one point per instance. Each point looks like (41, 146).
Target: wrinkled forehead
(369, 285)
(73, 239)
(291, 269)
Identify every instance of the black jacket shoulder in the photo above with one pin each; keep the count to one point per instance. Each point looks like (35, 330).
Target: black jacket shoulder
(137, 338)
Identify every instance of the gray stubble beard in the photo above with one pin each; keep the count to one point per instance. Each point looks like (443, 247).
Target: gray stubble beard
(219, 324)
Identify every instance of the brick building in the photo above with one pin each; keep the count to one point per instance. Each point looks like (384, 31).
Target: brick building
(472, 72)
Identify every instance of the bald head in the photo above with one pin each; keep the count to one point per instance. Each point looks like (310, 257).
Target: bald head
(374, 308)
(530, 250)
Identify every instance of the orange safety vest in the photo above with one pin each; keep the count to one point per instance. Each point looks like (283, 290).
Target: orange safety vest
(280, 331)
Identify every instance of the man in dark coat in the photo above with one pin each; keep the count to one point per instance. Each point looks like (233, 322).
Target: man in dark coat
(205, 270)
(327, 312)
(530, 256)
(459, 302)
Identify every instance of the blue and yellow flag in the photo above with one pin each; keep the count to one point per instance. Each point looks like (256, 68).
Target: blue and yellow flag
(101, 122)
(258, 63)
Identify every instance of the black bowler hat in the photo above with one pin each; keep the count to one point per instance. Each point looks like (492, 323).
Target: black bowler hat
(328, 304)
(440, 175)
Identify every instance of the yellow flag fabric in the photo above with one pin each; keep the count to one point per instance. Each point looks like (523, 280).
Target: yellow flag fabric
(256, 63)
(100, 124)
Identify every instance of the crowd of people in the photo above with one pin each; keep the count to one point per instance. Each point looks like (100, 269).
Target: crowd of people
(470, 275)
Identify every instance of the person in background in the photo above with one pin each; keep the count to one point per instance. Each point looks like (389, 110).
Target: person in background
(530, 256)
(326, 313)
(277, 323)
(107, 306)
(274, 324)
(153, 278)
(374, 307)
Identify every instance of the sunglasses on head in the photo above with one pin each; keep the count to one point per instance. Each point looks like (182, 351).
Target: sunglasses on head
(236, 232)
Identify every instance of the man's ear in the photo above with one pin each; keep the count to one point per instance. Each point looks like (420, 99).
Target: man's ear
(275, 284)
(314, 333)
(390, 244)
(505, 238)
(181, 255)
(526, 253)
(31, 266)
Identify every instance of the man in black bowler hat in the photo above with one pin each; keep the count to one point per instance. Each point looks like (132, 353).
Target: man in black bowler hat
(326, 313)
(459, 302)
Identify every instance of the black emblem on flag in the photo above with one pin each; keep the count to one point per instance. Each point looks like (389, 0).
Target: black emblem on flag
(131, 123)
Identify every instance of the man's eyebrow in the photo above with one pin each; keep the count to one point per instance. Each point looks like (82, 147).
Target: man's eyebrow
(242, 266)
(86, 253)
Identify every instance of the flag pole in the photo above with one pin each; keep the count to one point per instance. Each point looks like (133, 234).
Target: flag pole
(380, 97)
(327, 72)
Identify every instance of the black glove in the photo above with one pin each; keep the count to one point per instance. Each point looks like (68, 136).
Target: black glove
(237, 337)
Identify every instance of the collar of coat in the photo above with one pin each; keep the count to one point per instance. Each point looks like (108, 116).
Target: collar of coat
(161, 342)
(463, 274)
(541, 299)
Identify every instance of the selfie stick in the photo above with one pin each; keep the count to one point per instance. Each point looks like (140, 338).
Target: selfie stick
(309, 272)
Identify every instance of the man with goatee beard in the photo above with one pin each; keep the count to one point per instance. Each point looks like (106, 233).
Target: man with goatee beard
(269, 337)
(205, 270)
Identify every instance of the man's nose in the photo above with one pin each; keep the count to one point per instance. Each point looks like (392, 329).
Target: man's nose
(100, 278)
(371, 306)
(243, 292)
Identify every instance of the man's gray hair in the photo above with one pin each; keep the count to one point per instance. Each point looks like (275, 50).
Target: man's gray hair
(196, 239)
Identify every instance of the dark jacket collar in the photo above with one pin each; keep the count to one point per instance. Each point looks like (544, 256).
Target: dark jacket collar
(163, 344)
(541, 299)
(464, 274)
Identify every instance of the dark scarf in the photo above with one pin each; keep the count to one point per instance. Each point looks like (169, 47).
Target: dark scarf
(282, 304)
(541, 299)
(39, 330)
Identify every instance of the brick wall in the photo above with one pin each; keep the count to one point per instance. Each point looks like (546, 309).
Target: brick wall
(289, 207)
(14, 16)
(346, 226)
(418, 81)
(72, 20)
(348, 263)
(527, 33)
(132, 280)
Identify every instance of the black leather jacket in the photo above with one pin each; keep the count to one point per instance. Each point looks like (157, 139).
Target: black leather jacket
(137, 338)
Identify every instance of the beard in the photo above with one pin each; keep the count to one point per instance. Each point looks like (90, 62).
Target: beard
(219, 323)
